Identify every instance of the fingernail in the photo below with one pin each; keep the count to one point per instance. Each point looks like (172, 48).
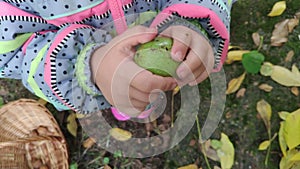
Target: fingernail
(181, 72)
(177, 56)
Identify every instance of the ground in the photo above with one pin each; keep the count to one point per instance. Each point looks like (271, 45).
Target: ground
(240, 120)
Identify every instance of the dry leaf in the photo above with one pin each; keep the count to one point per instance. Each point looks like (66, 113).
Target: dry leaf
(191, 166)
(241, 93)
(107, 167)
(72, 124)
(235, 84)
(265, 111)
(280, 33)
(278, 8)
(295, 91)
(289, 56)
(88, 143)
(42, 101)
(120, 134)
(281, 74)
(292, 24)
(235, 55)
(256, 38)
(210, 153)
(265, 87)
(217, 167)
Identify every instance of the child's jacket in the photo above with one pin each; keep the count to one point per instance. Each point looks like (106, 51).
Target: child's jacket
(48, 43)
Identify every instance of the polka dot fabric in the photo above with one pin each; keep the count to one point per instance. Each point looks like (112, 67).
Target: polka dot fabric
(62, 32)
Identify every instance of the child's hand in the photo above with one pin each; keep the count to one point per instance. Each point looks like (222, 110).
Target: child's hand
(123, 83)
(195, 52)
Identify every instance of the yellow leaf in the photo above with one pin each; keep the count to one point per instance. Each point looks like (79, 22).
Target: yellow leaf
(176, 90)
(235, 84)
(296, 157)
(287, 162)
(120, 134)
(295, 91)
(281, 139)
(265, 87)
(283, 114)
(292, 129)
(286, 77)
(264, 145)
(72, 124)
(278, 8)
(265, 111)
(191, 166)
(234, 47)
(235, 55)
(226, 152)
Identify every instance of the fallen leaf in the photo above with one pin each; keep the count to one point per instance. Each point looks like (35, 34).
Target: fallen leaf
(280, 33)
(107, 167)
(281, 74)
(209, 152)
(295, 91)
(217, 167)
(283, 114)
(282, 142)
(292, 24)
(292, 129)
(289, 56)
(241, 93)
(286, 162)
(235, 55)
(88, 143)
(72, 124)
(235, 83)
(176, 90)
(226, 152)
(120, 134)
(256, 38)
(265, 111)
(42, 101)
(264, 145)
(191, 166)
(265, 87)
(278, 8)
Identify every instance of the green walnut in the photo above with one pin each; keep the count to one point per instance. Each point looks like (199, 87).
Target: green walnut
(155, 56)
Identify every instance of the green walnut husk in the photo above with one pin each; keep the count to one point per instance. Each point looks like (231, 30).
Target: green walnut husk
(155, 56)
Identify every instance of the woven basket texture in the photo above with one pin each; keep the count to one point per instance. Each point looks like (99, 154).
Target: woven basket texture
(30, 137)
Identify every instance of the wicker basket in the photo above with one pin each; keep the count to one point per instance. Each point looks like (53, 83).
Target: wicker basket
(30, 137)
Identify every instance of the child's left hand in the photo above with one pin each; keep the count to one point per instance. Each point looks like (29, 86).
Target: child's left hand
(195, 52)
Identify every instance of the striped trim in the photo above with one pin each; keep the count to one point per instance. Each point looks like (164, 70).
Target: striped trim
(221, 5)
(127, 6)
(98, 17)
(14, 1)
(53, 81)
(165, 21)
(23, 18)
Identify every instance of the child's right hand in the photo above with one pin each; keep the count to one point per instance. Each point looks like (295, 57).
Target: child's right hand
(124, 84)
